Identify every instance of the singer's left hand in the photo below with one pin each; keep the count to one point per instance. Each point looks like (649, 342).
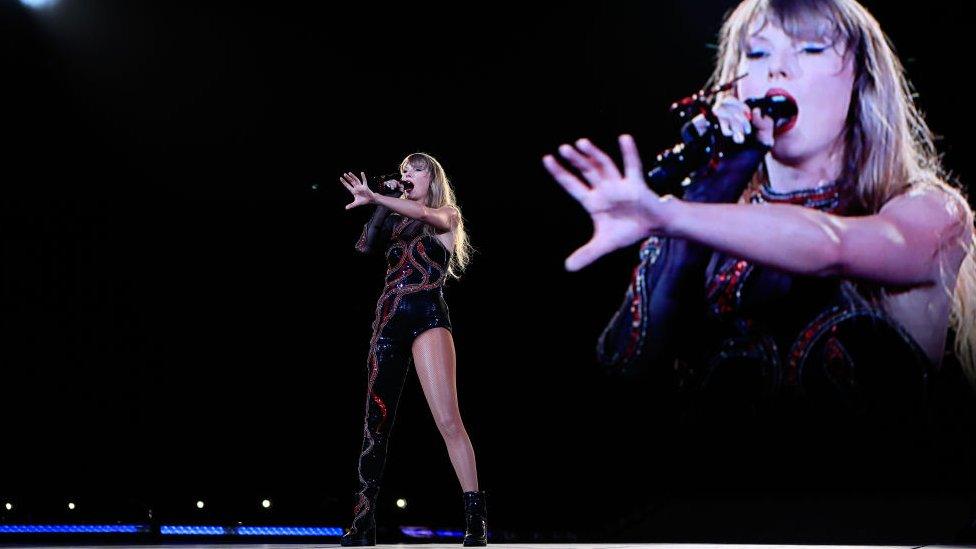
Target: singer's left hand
(623, 208)
(361, 193)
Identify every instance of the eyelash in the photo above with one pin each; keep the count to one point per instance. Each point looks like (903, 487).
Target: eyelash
(813, 50)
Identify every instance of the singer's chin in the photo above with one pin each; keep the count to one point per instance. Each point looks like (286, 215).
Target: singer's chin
(786, 152)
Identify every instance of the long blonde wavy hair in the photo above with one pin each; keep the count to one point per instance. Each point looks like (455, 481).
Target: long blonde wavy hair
(441, 194)
(889, 148)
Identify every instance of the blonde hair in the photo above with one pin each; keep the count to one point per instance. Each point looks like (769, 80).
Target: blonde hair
(889, 147)
(441, 194)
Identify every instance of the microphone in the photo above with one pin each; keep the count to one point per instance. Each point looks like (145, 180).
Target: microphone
(775, 105)
(702, 139)
(781, 108)
(378, 181)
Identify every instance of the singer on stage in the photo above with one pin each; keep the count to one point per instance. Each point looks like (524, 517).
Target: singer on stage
(422, 233)
(822, 255)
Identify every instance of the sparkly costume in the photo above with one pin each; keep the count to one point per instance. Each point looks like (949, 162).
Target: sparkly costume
(412, 302)
(747, 333)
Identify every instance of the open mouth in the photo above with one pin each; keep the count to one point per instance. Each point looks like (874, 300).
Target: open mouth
(783, 125)
(407, 186)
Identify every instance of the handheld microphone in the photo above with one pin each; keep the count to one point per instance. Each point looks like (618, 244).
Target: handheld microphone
(702, 139)
(781, 108)
(776, 106)
(377, 182)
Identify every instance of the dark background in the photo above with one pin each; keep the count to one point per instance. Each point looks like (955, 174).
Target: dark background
(183, 314)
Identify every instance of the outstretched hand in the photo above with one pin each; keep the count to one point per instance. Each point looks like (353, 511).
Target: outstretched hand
(623, 208)
(361, 193)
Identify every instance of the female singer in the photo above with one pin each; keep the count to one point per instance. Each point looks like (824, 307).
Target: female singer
(832, 264)
(422, 234)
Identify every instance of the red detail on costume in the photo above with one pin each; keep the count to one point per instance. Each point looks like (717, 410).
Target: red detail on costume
(727, 284)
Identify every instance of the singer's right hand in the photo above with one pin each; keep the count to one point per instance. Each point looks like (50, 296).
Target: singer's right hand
(361, 193)
(623, 208)
(737, 121)
(394, 184)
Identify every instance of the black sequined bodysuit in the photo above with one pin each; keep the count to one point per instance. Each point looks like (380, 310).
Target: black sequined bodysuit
(411, 303)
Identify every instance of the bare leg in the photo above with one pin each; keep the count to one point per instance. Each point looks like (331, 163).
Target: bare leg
(434, 360)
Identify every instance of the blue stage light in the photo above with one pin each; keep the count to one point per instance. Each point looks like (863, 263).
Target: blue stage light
(289, 531)
(39, 4)
(192, 530)
(72, 528)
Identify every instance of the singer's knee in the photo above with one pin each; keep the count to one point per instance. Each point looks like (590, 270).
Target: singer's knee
(450, 426)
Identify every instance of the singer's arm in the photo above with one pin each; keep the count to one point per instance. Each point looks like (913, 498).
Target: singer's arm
(443, 219)
(902, 245)
(372, 229)
(905, 244)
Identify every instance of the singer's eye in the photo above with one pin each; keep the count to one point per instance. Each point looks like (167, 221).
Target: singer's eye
(815, 50)
(757, 54)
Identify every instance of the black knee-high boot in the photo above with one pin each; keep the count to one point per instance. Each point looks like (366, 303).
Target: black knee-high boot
(388, 363)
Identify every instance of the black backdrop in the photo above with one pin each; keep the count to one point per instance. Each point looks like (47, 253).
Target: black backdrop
(184, 315)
